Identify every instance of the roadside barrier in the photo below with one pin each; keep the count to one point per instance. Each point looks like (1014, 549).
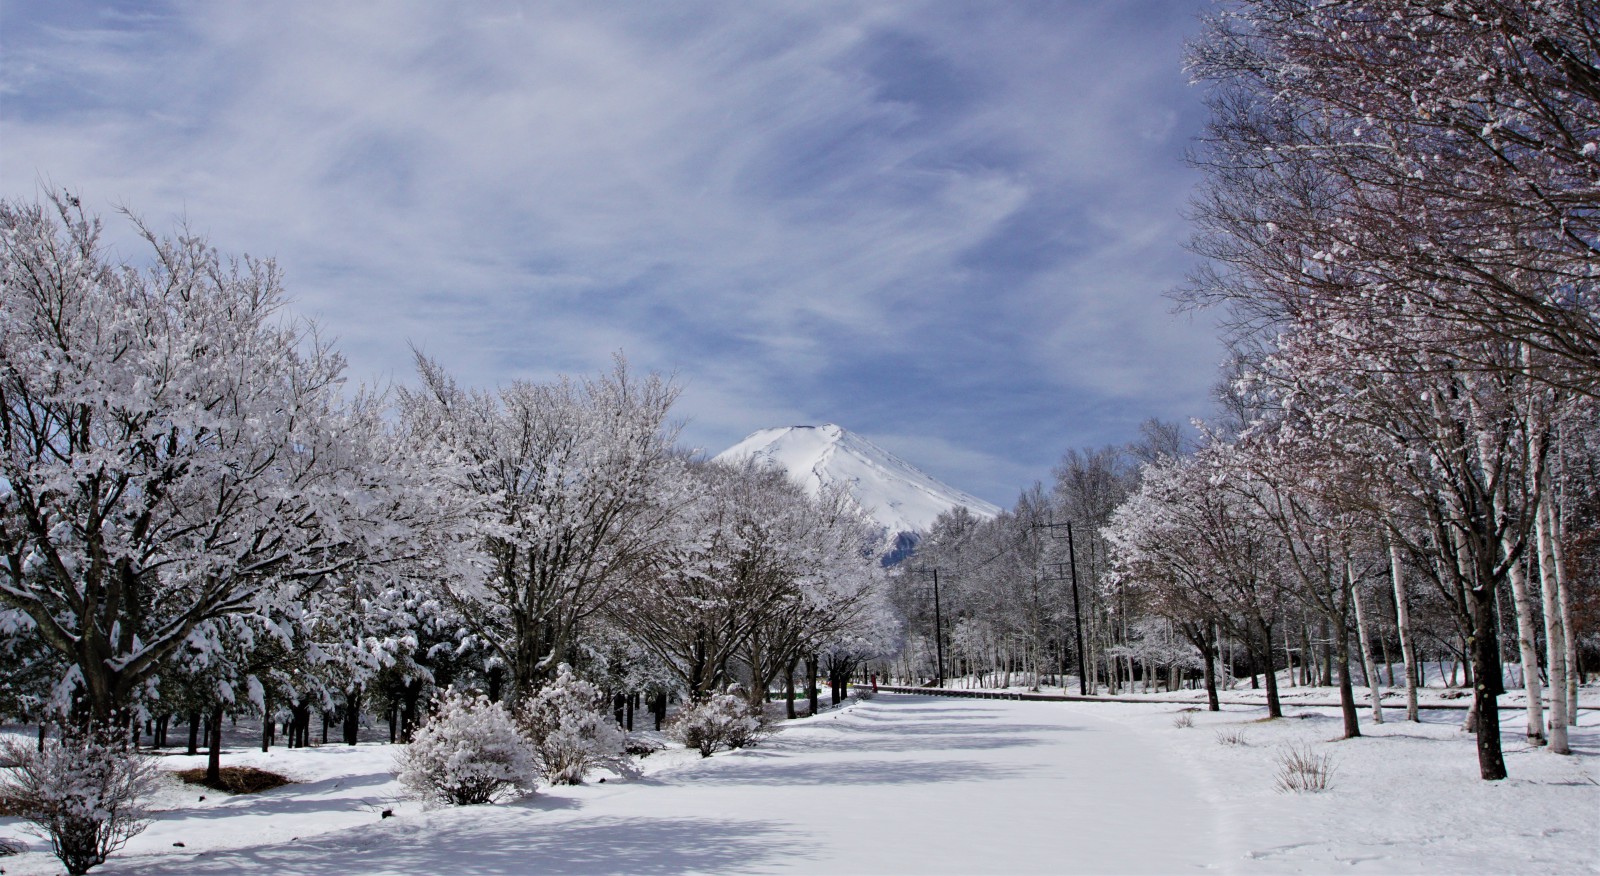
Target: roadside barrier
(1288, 702)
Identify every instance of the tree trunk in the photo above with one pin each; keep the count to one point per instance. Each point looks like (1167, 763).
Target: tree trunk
(812, 694)
(1488, 685)
(1288, 654)
(194, 732)
(1527, 651)
(1402, 620)
(1212, 702)
(1373, 681)
(788, 692)
(214, 756)
(1347, 695)
(1558, 562)
(1555, 634)
(1326, 649)
(1274, 704)
(410, 700)
(300, 725)
(266, 725)
(352, 715)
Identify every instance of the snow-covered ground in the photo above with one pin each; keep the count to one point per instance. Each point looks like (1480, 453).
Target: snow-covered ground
(916, 784)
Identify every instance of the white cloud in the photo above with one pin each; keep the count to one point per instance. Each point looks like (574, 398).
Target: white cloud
(760, 198)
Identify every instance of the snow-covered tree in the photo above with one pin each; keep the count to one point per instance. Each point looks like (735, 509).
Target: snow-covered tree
(1435, 157)
(565, 488)
(1399, 209)
(176, 449)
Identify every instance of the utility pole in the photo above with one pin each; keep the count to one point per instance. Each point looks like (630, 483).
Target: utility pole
(1077, 614)
(938, 622)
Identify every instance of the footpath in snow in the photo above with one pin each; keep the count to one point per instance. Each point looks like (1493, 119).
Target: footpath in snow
(916, 784)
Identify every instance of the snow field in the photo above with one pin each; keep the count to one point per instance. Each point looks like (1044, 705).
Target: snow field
(1404, 797)
(916, 784)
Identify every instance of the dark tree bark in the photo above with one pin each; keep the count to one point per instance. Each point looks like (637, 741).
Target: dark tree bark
(411, 697)
(812, 694)
(214, 756)
(1486, 692)
(1274, 704)
(1347, 696)
(300, 725)
(352, 715)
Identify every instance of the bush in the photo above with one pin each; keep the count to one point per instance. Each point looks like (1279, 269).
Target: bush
(1232, 737)
(1300, 769)
(84, 793)
(862, 692)
(468, 752)
(1183, 721)
(571, 730)
(720, 721)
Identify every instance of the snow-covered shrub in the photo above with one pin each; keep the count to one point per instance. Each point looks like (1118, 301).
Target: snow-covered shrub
(571, 730)
(468, 752)
(720, 721)
(863, 693)
(9, 847)
(1183, 720)
(1301, 769)
(84, 794)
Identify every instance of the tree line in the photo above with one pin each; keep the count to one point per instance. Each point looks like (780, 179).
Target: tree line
(1398, 218)
(200, 517)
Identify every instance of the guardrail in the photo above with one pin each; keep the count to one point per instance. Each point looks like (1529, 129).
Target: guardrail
(979, 694)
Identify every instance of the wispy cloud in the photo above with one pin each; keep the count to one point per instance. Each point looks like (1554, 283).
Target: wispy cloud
(952, 221)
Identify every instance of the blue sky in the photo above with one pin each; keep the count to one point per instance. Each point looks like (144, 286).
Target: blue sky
(946, 226)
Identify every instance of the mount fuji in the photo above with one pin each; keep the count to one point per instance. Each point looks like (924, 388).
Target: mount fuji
(894, 493)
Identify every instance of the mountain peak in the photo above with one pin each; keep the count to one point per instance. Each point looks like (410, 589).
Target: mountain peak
(895, 493)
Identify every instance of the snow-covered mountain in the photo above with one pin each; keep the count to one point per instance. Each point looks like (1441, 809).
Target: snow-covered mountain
(892, 491)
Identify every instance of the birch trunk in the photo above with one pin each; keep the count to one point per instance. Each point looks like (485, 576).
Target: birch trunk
(1558, 560)
(1527, 638)
(1555, 634)
(1402, 617)
(1374, 683)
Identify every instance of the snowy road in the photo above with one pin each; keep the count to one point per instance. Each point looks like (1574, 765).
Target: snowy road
(901, 784)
